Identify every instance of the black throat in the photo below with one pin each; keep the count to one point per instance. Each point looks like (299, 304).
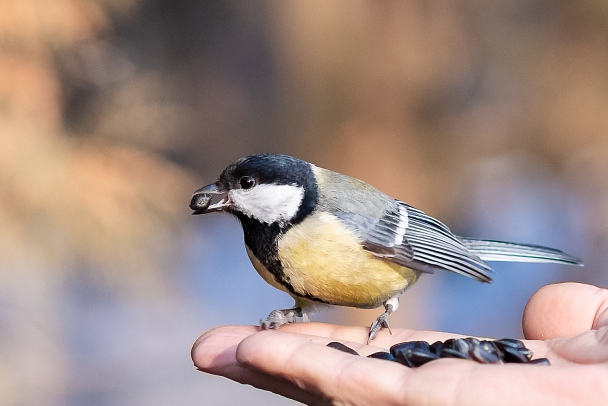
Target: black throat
(262, 239)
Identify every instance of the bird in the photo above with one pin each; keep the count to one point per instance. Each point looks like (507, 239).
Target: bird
(326, 238)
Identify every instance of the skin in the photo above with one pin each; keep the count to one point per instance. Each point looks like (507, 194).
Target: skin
(567, 323)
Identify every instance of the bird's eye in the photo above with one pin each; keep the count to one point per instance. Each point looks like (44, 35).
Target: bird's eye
(247, 182)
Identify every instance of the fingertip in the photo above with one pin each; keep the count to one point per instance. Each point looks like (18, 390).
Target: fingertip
(563, 310)
(216, 347)
(199, 350)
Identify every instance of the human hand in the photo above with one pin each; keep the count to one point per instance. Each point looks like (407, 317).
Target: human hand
(566, 323)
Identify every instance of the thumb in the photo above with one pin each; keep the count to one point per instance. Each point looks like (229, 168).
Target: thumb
(565, 310)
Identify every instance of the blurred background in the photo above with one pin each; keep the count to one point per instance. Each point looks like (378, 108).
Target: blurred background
(491, 116)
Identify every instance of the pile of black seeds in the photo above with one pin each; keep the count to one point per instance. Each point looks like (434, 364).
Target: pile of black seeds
(416, 353)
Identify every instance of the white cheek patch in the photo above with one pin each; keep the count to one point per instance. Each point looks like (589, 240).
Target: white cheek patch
(268, 203)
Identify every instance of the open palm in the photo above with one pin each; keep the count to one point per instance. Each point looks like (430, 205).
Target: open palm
(566, 323)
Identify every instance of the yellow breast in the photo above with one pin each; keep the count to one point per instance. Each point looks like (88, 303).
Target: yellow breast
(323, 259)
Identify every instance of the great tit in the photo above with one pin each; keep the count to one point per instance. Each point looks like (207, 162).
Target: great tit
(327, 238)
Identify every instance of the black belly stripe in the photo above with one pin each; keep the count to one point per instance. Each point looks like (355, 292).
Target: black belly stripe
(262, 240)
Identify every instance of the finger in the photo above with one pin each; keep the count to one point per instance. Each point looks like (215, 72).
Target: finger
(590, 347)
(214, 352)
(334, 376)
(209, 357)
(565, 310)
(215, 349)
(340, 378)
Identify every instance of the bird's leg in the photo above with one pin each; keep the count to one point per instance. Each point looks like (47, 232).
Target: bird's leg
(390, 306)
(278, 317)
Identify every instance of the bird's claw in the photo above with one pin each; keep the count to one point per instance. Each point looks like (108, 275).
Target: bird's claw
(381, 321)
(278, 317)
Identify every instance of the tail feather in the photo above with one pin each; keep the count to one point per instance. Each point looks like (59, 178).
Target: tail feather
(489, 250)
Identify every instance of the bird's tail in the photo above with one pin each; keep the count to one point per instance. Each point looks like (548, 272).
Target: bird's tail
(489, 250)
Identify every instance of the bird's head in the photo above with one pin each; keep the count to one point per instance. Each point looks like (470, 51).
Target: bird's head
(268, 188)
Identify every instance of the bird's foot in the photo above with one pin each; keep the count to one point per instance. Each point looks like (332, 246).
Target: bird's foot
(278, 317)
(382, 321)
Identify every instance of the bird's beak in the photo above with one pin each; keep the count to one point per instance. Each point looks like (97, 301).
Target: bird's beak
(201, 199)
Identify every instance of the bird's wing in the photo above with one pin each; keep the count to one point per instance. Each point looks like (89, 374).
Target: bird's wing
(411, 238)
(392, 230)
(386, 238)
(435, 247)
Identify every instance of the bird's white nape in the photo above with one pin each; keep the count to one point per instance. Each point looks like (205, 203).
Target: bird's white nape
(268, 203)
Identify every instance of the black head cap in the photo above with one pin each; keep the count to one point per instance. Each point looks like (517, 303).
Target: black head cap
(268, 168)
